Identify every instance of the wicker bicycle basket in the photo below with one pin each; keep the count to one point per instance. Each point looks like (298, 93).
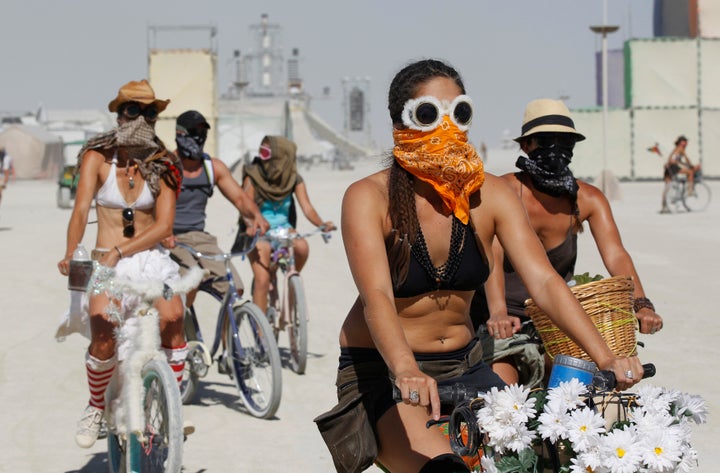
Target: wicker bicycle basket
(608, 303)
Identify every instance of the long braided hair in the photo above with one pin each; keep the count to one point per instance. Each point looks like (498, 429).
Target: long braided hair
(401, 193)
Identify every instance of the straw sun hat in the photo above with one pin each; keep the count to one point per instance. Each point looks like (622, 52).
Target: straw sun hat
(137, 91)
(547, 115)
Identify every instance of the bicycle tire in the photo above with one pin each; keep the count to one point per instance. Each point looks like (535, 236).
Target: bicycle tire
(298, 330)
(191, 380)
(700, 198)
(116, 453)
(163, 422)
(255, 361)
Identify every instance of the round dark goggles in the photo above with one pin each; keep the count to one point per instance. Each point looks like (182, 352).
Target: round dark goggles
(550, 140)
(425, 113)
(133, 110)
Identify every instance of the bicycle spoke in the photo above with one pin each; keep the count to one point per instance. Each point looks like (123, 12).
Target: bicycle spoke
(255, 361)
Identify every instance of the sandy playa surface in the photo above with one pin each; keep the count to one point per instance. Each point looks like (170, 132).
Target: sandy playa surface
(42, 382)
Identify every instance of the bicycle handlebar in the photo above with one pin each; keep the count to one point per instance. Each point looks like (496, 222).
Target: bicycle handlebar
(326, 235)
(459, 393)
(220, 256)
(605, 380)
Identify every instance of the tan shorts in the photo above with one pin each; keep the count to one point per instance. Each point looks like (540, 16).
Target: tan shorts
(204, 243)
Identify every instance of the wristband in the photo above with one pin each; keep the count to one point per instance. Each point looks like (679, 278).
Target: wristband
(643, 303)
(119, 252)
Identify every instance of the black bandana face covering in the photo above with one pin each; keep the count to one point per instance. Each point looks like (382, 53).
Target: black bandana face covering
(548, 168)
(189, 147)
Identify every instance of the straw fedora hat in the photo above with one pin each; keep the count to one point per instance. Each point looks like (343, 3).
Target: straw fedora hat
(547, 115)
(137, 91)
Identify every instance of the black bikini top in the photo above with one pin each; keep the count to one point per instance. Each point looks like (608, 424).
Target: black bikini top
(464, 270)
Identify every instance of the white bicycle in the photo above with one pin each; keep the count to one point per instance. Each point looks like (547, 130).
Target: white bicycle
(287, 306)
(143, 408)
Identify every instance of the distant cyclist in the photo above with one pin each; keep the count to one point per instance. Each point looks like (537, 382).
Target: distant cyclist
(679, 163)
(272, 180)
(201, 173)
(6, 168)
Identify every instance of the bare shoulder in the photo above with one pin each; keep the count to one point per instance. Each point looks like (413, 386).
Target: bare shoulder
(373, 187)
(219, 167)
(94, 158)
(497, 198)
(589, 194)
(497, 187)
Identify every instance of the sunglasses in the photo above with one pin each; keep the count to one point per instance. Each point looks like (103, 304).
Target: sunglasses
(549, 140)
(133, 110)
(200, 132)
(128, 216)
(426, 113)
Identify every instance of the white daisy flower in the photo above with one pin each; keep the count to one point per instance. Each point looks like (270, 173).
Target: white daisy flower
(688, 460)
(488, 464)
(692, 406)
(522, 439)
(568, 393)
(553, 422)
(584, 426)
(619, 452)
(660, 450)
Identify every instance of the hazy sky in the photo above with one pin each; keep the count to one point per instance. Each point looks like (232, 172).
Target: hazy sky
(76, 53)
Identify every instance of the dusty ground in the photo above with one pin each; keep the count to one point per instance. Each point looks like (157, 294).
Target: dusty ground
(42, 382)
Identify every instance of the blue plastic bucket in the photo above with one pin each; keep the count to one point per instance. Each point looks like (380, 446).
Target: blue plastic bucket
(567, 367)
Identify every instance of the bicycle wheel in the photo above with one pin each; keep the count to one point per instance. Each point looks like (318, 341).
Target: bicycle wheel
(116, 454)
(191, 379)
(255, 361)
(674, 197)
(298, 331)
(161, 448)
(699, 199)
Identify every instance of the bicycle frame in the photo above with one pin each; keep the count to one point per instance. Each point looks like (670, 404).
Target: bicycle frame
(227, 302)
(142, 366)
(279, 299)
(249, 348)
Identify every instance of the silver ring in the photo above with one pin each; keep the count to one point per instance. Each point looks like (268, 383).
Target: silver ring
(629, 374)
(414, 396)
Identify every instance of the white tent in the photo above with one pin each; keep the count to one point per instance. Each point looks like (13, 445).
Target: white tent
(36, 153)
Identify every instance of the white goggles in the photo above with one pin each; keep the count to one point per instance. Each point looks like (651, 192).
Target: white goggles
(425, 113)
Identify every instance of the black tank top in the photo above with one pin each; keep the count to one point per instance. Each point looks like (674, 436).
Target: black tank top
(563, 258)
(192, 201)
(465, 269)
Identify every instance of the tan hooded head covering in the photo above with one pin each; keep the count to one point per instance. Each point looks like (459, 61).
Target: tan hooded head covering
(275, 178)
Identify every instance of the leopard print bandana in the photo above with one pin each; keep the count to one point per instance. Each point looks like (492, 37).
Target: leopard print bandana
(143, 147)
(444, 159)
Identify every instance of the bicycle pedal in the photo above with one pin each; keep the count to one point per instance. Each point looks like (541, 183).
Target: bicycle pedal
(222, 365)
(103, 432)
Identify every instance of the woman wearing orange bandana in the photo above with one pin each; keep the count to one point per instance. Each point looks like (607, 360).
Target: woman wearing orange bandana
(418, 238)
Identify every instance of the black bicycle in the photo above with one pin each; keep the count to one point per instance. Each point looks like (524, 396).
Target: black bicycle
(464, 433)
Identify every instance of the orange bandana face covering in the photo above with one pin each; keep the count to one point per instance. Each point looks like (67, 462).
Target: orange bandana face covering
(444, 159)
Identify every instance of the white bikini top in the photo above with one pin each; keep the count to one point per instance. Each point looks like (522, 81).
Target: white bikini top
(109, 194)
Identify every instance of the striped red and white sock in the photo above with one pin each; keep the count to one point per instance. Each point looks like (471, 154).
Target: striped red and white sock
(176, 360)
(99, 373)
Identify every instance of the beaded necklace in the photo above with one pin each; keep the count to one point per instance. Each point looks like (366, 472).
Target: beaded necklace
(444, 273)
